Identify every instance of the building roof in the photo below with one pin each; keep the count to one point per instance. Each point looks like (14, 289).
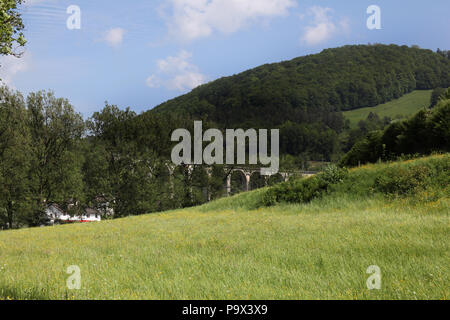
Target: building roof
(56, 207)
(90, 211)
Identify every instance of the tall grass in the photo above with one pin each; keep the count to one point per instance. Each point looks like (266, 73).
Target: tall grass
(236, 249)
(404, 107)
(424, 179)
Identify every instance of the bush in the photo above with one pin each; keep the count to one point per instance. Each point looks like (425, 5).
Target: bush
(333, 175)
(304, 190)
(400, 181)
(425, 179)
(424, 133)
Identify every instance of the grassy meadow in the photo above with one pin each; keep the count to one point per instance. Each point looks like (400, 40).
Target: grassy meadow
(404, 107)
(234, 248)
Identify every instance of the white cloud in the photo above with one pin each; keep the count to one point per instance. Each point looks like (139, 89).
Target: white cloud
(10, 66)
(192, 19)
(114, 37)
(153, 81)
(176, 73)
(323, 27)
(56, 4)
(29, 3)
(186, 81)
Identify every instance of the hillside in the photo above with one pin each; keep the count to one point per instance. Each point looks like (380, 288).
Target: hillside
(403, 107)
(236, 248)
(425, 132)
(310, 89)
(303, 98)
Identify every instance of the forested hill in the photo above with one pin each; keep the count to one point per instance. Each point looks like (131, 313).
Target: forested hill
(310, 89)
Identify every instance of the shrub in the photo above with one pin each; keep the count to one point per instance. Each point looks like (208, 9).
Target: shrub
(399, 181)
(333, 175)
(304, 190)
(421, 179)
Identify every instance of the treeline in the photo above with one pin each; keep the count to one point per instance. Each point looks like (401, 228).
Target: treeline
(49, 154)
(426, 132)
(306, 95)
(127, 158)
(38, 158)
(307, 89)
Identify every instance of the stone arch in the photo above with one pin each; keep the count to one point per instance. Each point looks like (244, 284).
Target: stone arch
(238, 181)
(257, 181)
(199, 184)
(218, 184)
(162, 171)
(276, 178)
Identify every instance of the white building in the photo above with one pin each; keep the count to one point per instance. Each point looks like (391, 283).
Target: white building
(91, 215)
(56, 214)
(102, 205)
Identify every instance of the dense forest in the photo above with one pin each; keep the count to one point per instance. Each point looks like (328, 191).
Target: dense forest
(310, 88)
(426, 132)
(50, 154)
(304, 97)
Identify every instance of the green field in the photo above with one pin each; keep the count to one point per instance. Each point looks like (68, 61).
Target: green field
(235, 249)
(406, 106)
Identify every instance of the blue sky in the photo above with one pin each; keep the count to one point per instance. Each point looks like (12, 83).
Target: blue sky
(140, 53)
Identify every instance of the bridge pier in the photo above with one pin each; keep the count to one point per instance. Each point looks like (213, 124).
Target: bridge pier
(229, 185)
(247, 180)
(247, 174)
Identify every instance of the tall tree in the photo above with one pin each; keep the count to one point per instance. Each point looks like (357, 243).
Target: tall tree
(436, 96)
(11, 27)
(55, 133)
(14, 160)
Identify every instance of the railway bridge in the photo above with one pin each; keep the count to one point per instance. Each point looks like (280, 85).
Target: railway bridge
(252, 177)
(246, 178)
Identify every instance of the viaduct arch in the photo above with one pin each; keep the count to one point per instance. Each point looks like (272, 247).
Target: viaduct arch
(249, 174)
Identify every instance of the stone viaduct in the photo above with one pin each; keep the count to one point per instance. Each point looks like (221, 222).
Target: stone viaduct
(248, 173)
